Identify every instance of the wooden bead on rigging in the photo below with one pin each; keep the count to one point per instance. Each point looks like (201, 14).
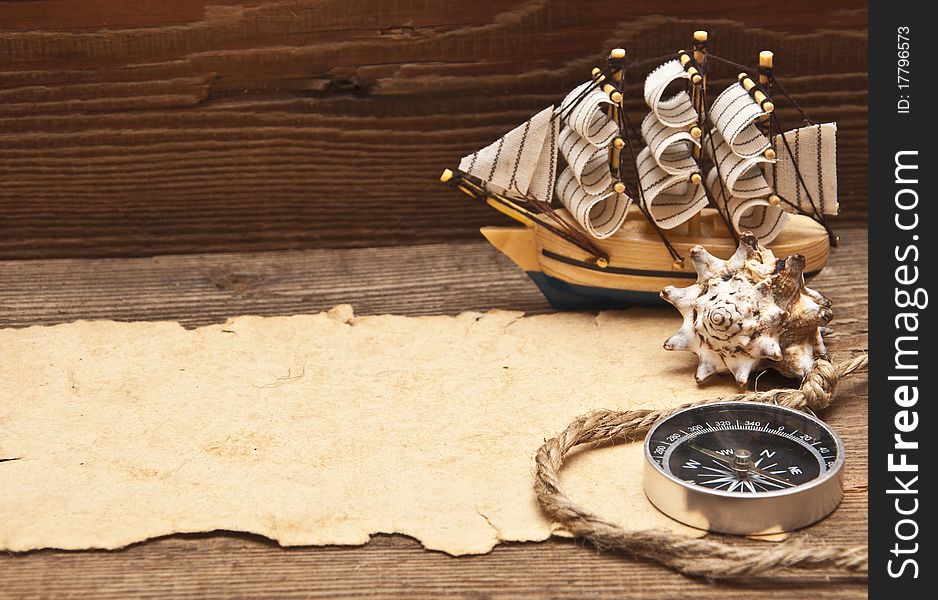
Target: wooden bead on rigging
(695, 178)
(619, 187)
(769, 154)
(774, 200)
(446, 175)
(618, 143)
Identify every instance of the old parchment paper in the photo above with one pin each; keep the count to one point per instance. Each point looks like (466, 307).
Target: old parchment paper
(322, 429)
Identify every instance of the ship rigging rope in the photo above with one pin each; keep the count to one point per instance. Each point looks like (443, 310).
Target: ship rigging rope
(626, 127)
(815, 214)
(723, 193)
(692, 556)
(564, 111)
(778, 84)
(563, 230)
(776, 123)
(819, 215)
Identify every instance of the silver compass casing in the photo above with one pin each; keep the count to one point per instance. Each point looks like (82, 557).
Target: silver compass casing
(760, 513)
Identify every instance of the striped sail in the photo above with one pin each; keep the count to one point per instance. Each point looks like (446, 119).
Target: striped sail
(743, 179)
(734, 114)
(585, 187)
(676, 111)
(524, 162)
(600, 214)
(753, 214)
(742, 176)
(671, 198)
(815, 153)
(667, 162)
(521, 163)
(744, 184)
(672, 147)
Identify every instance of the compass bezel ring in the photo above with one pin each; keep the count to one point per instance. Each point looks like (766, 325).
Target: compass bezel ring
(758, 513)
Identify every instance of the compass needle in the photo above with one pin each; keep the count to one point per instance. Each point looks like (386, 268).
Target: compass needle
(742, 467)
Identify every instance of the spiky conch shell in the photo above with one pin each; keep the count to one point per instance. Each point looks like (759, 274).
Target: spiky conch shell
(750, 312)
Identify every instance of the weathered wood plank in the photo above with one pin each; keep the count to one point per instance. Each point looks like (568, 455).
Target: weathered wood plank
(412, 280)
(189, 127)
(431, 279)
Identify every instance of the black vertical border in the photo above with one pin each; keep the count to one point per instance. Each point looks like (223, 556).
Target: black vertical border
(891, 132)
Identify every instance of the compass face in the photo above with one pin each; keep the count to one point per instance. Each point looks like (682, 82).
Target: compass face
(743, 448)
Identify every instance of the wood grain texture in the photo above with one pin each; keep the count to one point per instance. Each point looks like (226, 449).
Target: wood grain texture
(430, 279)
(172, 126)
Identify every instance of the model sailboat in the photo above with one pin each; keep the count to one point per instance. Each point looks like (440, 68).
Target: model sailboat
(610, 210)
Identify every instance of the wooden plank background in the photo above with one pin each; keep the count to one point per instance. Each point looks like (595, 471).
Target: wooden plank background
(415, 280)
(253, 140)
(178, 126)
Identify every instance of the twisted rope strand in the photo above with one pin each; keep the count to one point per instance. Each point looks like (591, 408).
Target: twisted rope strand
(692, 556)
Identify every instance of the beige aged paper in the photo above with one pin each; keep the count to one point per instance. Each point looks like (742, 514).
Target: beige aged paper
(322, 429)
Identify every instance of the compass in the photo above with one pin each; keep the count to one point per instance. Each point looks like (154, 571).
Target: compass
(744, 468)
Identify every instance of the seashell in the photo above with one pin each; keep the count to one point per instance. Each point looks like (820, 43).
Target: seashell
(750, 312)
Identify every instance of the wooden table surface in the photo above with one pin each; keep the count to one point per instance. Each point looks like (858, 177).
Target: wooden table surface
(413, 280)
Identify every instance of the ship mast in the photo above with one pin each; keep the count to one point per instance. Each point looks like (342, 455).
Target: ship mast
(766, 66)
(617, 57)
(698, 87)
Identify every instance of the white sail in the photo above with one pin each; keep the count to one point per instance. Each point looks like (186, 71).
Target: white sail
(753, 214)
(672, 147)
(587, 118)
(667, 162)
(815, 152)
(588, 164)
(742, 176)
(749, 182)
(743, 182)
(585, 187)
(734, 114)
(523, 162)
(740, 189)
(601, 215)
(676, 111)
(671, 199)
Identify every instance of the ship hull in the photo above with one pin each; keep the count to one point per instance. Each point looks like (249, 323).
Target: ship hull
(563, 295)
(639, 265)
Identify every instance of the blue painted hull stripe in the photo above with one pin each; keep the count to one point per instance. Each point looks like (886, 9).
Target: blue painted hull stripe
(569, 296)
